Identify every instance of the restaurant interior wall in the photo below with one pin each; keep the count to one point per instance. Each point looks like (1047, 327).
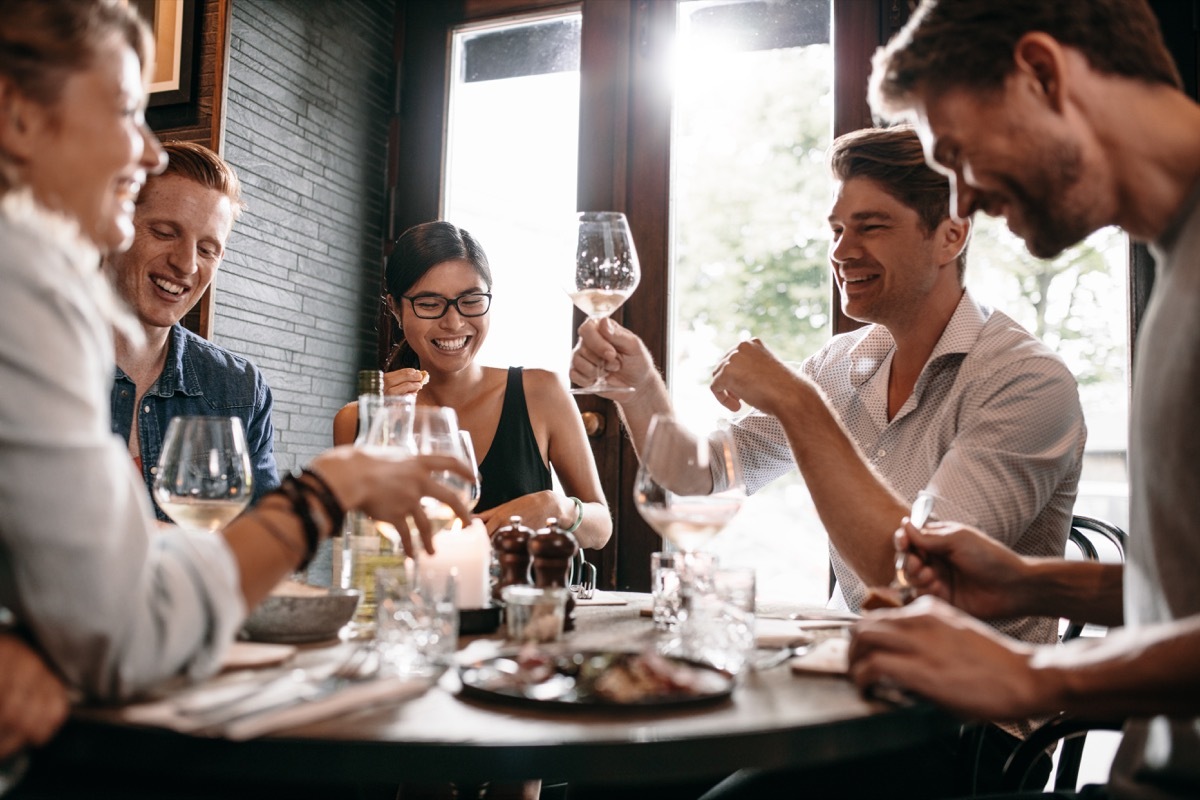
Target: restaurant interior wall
(308, 107)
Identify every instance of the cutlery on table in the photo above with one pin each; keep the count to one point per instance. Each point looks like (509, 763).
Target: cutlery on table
(922, 507)
(293, 688)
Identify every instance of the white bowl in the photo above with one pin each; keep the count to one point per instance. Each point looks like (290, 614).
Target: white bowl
(296, 619)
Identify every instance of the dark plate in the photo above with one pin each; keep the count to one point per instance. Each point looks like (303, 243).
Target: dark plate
(575, 680)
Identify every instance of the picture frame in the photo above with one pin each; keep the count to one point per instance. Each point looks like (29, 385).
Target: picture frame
(173, 24)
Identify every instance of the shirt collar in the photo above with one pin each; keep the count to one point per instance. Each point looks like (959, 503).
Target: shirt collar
(177, 374)
(959, 336)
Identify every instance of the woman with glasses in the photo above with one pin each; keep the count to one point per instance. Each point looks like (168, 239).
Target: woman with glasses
(523, 422)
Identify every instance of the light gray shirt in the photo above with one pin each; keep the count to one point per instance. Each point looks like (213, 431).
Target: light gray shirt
(116, 604)
(1160, 757)
(993, 428)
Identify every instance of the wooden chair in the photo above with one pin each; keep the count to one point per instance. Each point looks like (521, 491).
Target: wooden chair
(1072, 731)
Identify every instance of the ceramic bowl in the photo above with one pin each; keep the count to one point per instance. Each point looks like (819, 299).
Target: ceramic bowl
(295, 619)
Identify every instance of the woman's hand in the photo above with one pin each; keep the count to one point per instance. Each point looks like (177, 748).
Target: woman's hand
(404, 381)
(533, 509)
(33, 701)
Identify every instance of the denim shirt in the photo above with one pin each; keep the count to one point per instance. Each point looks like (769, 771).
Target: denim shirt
(199, 378)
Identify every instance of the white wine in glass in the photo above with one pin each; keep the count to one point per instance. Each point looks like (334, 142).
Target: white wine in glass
(204, 478)
(688, 487)
(436, 432)
(604, 273)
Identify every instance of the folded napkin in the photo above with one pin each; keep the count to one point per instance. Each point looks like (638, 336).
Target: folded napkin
(780, 633)
(248, 655)
(827, 657)
(600, 598)
(279, 706)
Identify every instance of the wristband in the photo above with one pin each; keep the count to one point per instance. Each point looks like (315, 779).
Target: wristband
(578, 516)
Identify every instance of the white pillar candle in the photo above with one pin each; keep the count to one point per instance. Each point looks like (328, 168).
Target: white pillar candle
(466, 550)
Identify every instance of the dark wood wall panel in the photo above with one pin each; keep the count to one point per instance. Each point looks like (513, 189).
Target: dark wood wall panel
(201, 119)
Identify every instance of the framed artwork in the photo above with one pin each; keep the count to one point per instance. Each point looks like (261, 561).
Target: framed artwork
(173, 23)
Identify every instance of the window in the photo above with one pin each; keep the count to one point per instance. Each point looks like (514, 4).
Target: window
(511, 163)
(753, 118)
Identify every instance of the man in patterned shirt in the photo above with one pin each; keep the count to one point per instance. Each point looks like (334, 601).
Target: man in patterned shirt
(937, 394)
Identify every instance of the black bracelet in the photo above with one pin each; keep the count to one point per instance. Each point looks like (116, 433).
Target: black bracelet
(294, 491)
(320, 489)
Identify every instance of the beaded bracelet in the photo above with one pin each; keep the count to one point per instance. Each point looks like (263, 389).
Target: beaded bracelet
(578, 516)
(297, 494)
(320, 489)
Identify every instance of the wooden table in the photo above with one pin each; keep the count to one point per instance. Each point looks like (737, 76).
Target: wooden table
(774, 719)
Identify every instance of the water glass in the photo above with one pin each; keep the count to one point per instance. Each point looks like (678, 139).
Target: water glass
(716, 625)
(735, 585)
(666, 569)
(417, 628)
(534, 614)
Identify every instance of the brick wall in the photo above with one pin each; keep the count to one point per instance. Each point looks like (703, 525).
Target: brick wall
(309, 99)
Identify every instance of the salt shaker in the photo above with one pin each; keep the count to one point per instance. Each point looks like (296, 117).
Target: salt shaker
(552, 549)
(511, 545)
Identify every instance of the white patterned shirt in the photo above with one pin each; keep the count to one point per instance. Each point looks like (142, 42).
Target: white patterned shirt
(993, 428)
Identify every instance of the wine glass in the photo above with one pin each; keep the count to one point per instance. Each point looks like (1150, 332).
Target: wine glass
(688, 488)
(436, 432)
(605, 272)
(204, 478)
(469, 453)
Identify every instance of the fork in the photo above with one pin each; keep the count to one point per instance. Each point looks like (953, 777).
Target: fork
(922, 507)
(362, 663)
(585, 589)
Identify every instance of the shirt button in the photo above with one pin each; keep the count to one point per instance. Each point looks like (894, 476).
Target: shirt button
(145, 409)
(881, 453)
(124, 393)
(154, 470)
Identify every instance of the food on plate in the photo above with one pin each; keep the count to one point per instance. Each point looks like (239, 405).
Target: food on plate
(603, 678)
(885, 597)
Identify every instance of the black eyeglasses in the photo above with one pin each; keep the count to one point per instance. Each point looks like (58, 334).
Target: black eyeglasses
(434, 306)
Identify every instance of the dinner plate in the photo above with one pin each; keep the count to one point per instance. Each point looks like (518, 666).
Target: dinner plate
(595, 679)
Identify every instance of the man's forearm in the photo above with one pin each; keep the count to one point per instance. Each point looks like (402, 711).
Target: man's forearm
(637, 411)
(1084, 591)
(859, 509)
(1142, 672)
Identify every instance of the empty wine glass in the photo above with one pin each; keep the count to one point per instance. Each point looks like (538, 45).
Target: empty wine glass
(604, 273)
(204, 478)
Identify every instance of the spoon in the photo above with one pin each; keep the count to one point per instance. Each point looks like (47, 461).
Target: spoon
(922, 507)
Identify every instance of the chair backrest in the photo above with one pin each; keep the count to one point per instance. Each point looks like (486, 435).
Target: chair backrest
(1085, 533)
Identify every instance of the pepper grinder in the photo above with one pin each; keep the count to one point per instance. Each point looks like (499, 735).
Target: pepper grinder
(511, 545)
(552, 549)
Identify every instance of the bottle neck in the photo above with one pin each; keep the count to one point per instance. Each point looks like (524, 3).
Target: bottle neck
(368, 409)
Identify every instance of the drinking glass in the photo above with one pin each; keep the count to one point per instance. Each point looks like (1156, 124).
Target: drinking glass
(204, 478)
(688, 488)
(436, 432)
(604, 273)
(469, 453)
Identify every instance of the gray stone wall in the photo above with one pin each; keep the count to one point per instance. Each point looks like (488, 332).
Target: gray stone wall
(309, 100)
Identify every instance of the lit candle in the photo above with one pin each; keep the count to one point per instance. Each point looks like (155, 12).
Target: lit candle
(466, 550)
